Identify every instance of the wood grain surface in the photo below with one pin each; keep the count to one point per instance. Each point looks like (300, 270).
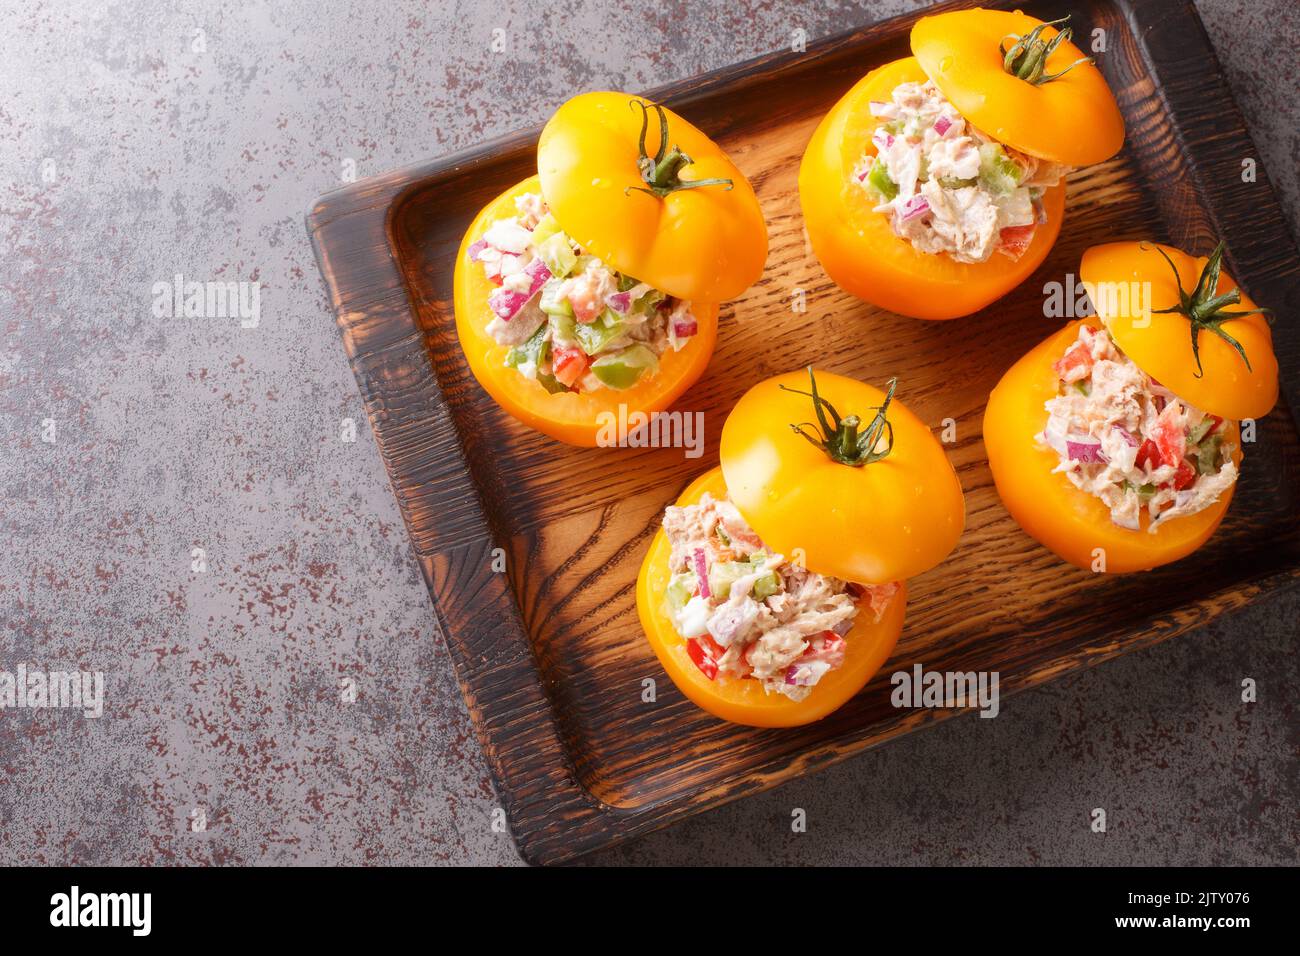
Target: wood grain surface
(550, 655)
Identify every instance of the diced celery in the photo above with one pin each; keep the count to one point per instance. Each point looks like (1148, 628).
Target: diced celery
(878, 179)
(679, 590)
(581, 265)
(627, 282)
(532, 352)
(1207, 455)
(1201, 429)
(1082, 388)
(552, 302)
(998, 172)
(551, 383)
(545, 228)
(595, 336)
(723, 574)
(647, 302)
(564, 330)
(766, 586)
(622, 369)
(558, 255)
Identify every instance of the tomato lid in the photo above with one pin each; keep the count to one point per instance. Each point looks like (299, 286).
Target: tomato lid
(869, 497)
(665, 206)
(1133, 285)
(1066, 117)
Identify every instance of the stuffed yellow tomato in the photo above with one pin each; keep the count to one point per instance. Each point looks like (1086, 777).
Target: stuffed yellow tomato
(936, 184)
(776, 586)
(1115, 443)
(595, 284)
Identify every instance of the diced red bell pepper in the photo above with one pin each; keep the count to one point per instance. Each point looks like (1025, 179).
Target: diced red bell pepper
(1076, 364)
(1185, 476)
(707, 665)
(1014, 240)
(569, 364)
(1170, 439)
(1148, 454)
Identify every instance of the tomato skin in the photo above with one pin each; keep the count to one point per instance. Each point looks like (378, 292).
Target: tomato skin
(571, 417)
(1072, 120)
(881, 522)
(1161, 344)
(707, 244)
(857, 247)
(743, 701)
(1064, 519)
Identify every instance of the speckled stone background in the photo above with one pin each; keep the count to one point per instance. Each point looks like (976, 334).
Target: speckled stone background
(144, 139)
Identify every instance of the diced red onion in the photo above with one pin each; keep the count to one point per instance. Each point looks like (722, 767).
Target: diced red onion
(684, 328)
(843, 627)
(620, 302)
(882, 139)
(1183, 498)
(475, 248)
(702, 572)
(916, 206)
(1127, 435)
(815, 670)
(942, 125)
(1085, 451)
(506, 303)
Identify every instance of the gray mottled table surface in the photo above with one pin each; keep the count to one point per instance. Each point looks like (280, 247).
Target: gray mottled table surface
(180, 513)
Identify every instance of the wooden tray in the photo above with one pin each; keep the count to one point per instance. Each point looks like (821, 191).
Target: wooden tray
(550, 656)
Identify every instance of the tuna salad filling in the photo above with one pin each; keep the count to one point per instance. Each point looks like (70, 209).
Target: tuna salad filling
(946, 186)
(1131, 442)
(746, 612)
(572, 323)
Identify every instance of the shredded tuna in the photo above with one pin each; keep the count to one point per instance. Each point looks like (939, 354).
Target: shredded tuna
(1129, 441)
(584, 319)
(764, 619)
(946, 186)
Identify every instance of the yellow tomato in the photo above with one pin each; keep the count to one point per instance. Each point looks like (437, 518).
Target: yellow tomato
(743, 700)
(1072, 119)
(885, 520)
(573, 417)
(1116, 276)
(707, 243)
(1074, 524)
(857, 246)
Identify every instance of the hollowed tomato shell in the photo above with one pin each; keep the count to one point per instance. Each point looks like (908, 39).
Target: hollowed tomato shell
(856, 245)
(743, 701)
(1063, 518)
(573, 417)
